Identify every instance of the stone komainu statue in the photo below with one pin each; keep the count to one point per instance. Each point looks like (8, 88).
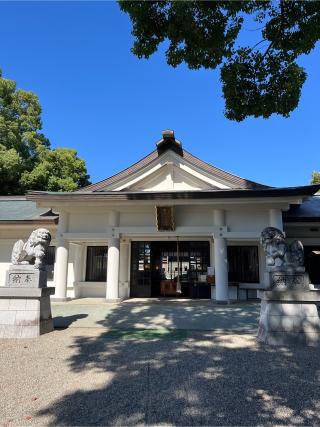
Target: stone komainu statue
(281, 256)
(33, 250)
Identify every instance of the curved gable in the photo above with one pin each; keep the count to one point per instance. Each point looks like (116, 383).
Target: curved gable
(187, 172)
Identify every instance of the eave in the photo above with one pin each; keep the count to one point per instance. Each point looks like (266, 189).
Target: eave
(40, 221)
(304, 191)
(29, 222)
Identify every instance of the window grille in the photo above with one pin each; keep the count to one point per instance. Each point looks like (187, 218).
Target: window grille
(96, 270)
(243, 262)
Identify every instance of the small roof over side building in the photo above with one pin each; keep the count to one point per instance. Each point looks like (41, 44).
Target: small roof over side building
(19, 209)
(308, 211)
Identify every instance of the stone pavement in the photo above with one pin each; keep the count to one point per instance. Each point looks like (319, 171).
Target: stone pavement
(201, 315)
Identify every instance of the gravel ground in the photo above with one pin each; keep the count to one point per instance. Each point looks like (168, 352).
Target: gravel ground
(91, 377)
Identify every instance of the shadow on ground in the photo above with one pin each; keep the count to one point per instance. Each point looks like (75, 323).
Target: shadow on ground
(184, 377)
(62, 322)
(189, 315)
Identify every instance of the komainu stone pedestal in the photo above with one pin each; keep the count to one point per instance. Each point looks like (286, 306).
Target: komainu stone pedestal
(289, 318)
(25, 308)
(26, 276)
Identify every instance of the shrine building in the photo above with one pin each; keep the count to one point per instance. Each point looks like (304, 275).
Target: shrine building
(170, 225)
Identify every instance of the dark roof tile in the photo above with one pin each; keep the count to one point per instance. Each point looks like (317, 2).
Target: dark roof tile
(18, 208)
(308, 211)
(235, 181)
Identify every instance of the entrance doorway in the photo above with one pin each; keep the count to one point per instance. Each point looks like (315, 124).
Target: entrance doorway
(312, 260)
(162, 269)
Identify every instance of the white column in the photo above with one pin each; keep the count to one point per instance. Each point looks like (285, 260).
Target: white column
(220, 259)
(275, 218)
(124, 270)
(112, 292)
(78, 269)
(61, 264)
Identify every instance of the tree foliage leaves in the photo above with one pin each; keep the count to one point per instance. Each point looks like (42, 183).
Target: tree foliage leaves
(315, 179)
(26, 160)
(257, 80)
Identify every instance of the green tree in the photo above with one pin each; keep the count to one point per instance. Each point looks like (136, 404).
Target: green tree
(257, 80)
(56, 170)
(315, 179)
(10, 170)
(26, 160)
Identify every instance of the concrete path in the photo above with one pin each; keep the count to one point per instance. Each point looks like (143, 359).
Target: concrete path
(153, 314)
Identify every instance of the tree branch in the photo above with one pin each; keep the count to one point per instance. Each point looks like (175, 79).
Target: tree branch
(279, 31)
(257, 44)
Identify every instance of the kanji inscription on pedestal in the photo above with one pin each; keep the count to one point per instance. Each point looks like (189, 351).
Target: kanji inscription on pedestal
(20, 279)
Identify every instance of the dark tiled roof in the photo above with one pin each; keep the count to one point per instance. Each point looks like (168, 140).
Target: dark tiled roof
(308, 211)
(235, 181)
(18, 208)
(123, 174)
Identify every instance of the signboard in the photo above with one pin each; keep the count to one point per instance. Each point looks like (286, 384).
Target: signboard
(210, 271)
(211, 277)
(165, 218)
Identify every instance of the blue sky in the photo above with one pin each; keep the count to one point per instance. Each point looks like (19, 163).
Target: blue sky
(111, 107)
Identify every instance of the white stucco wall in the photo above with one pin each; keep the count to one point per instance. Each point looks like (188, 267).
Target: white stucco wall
(144, 217)
(188, 216)
(250, 219)
(238, 218)
(88, 220)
